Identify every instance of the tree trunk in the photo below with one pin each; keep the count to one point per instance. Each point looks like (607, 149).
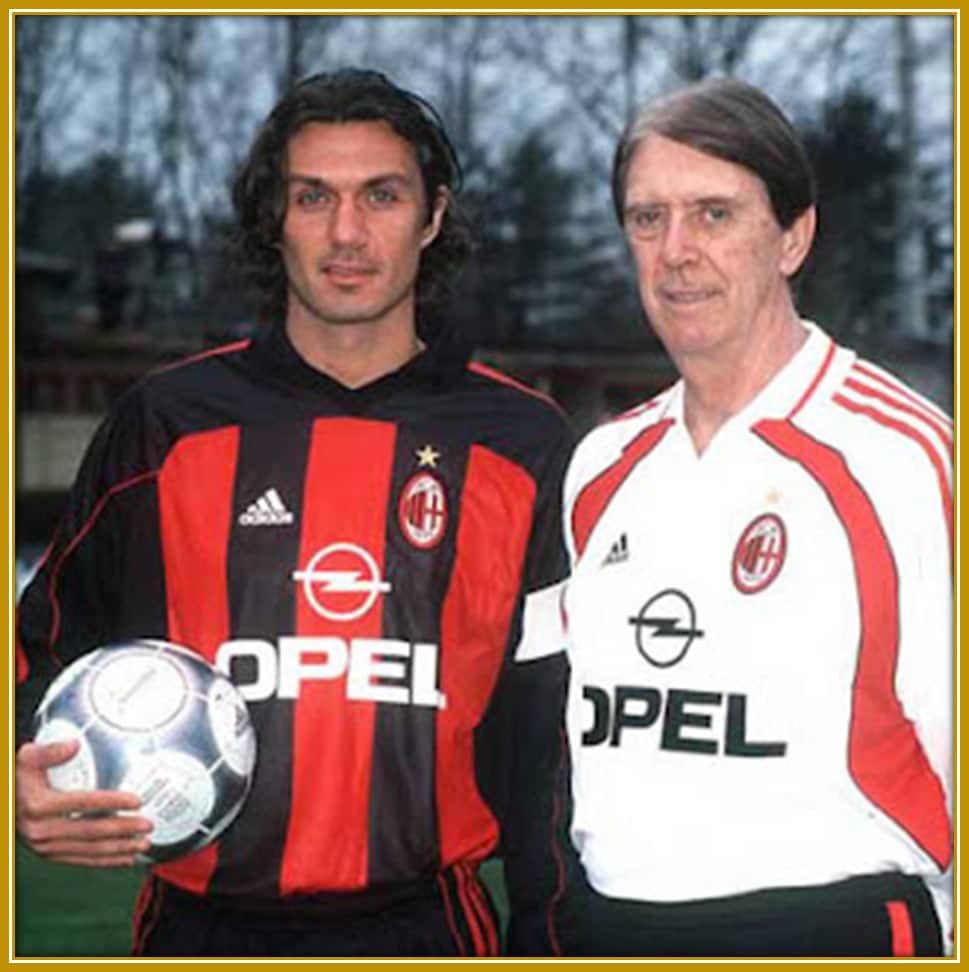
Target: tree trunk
(910, 264)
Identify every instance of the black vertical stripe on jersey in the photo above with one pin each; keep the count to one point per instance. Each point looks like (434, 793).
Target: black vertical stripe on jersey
(262, 604)
(403, 820)
(142, 613)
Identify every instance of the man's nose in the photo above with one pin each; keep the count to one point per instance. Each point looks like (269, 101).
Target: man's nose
(679, 241)
(349, 224)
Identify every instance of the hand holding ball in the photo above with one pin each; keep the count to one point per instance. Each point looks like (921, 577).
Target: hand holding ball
(159, 721)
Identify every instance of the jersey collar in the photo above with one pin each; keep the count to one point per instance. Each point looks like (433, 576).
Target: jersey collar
(790, 390)
(444, 358)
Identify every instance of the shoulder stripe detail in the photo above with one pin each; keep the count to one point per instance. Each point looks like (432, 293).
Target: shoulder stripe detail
(885, 757)
(202, 355)
(86, 528)
(503, 379)
(638, 410)
(597, 493)
(813, 387)
(893, 384)
(945, 488)
(900, 405)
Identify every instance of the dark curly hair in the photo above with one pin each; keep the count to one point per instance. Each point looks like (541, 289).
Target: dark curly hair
(345, 95)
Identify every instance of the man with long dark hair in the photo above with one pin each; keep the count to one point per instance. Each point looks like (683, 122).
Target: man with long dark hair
(362, 529)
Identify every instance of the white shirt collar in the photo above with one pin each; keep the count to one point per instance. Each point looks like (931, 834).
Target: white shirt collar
(784, 392)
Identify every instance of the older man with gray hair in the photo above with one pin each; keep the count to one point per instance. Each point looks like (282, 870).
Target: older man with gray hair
(760, 602)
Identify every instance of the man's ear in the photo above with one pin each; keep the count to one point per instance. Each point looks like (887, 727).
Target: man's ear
(796, 241)
(433, 227)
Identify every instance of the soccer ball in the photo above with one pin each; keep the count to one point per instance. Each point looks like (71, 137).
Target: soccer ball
(157, 720)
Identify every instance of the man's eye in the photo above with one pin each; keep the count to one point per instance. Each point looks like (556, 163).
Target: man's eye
(644, 220)
(309, 197)
(715, 214)
(382, 196)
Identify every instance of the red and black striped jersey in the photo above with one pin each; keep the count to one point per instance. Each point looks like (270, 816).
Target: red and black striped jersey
(360, 562)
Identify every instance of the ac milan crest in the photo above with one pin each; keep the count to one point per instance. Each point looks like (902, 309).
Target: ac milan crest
(422, 510)
(759, 554)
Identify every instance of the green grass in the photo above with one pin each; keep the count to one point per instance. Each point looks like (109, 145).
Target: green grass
(67, 911)
(493, 876)
(72, 911)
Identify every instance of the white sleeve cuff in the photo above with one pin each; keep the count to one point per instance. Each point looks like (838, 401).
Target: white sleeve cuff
(543, 633)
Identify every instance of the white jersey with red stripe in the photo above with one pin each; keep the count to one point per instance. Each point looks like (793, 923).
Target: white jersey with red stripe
(761, 639)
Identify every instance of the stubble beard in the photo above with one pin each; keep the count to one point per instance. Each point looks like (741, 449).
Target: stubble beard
(354, 311)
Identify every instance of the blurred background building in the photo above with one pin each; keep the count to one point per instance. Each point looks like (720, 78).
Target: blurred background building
(128, 129)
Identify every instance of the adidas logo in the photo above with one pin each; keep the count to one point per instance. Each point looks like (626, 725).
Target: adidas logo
(268, 510)
(618, 552)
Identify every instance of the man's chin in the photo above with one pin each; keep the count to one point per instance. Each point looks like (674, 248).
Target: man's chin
(347, 309)
(347, 314)
(683, 340)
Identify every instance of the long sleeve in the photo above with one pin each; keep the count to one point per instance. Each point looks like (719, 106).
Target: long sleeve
(924, 676)
(529, 706)
(100, 571)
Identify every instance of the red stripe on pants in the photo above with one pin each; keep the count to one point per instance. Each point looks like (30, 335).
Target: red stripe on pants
(903, 938)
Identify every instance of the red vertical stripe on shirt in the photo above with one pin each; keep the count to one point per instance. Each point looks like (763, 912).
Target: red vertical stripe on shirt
(595, 495)
(346, 493)
(494, 526)
(885, 757)
(195, 490)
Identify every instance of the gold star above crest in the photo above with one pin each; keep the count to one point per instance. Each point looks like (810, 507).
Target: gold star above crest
(773, 497)
(428, 456)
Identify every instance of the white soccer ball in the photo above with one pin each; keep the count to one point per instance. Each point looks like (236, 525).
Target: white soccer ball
(157, 720)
